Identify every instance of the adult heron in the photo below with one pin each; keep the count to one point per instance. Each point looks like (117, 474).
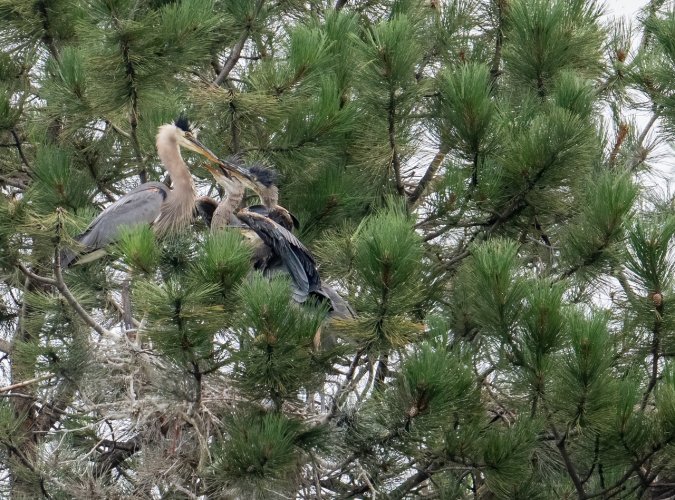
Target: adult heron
(168, 210)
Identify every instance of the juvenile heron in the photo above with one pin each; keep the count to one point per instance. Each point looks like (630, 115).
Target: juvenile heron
(167, 209)
(262, 181)
(276, 249)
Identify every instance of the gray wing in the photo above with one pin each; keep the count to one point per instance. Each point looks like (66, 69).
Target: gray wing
(142, 205)
(295, 257)
(339, 307)
(204, 208)
(326, 337)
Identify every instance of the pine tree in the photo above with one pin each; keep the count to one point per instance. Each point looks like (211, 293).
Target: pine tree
(470, 176)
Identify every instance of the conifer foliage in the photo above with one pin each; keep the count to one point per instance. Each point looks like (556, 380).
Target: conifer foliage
(468, 174)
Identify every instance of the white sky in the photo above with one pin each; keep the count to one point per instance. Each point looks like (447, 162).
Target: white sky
(624, 7)
(663, 158)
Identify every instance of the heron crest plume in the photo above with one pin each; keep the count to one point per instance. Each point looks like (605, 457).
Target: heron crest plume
(183, 123)
(266, 176)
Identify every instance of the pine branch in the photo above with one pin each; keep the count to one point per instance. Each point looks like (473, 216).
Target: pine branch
(47, 39)
(28, 465)
(395, 161)
(517, 204)
(34, 277)
(571, 470)
(234, 127)
(233, 58)
(616, 487)
(499, 40)
(130, 73)
(418, 194)
(238, 47)
(474, 171)
(17, 142)
(656, 342)
(382, 370)
(596, 456)
(641, 152)
(425, 473)
(346, 383)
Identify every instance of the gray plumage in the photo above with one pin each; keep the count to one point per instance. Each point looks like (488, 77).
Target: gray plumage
(168, 210)
(283, 251)
(276, 249)
(141, 205)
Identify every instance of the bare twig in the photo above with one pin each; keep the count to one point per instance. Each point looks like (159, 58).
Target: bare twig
(641, 153)
(17, 142)
(25, 383)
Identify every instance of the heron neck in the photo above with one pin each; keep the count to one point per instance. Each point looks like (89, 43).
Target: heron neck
(223, 215)
(270, 197)
(177, 210)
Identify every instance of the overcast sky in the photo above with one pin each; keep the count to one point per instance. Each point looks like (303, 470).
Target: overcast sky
(624, 7)
(665, 155)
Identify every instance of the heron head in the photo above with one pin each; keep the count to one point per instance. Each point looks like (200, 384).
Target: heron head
(257, 178)
(260, 179)
(186, 137)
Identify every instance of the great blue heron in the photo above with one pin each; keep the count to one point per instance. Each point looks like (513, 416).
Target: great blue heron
(153, 203)
(276, 249)
(262, 181)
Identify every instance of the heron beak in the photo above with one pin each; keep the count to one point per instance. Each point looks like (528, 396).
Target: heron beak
(226, 168)
(193, 144)
(240, 173)
(221, 175)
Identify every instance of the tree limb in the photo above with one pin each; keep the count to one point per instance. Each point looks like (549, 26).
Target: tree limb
(25, 383)
(339, 5)
(395, 160)
(571, 470)
(238, 47)
(426, 179)
(422, 475)
(17, 141)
